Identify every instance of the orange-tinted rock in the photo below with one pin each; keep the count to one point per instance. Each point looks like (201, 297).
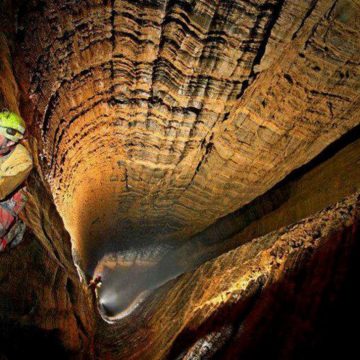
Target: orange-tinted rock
(235, 301)
(45, 311)
(157, 118)
(151, 120)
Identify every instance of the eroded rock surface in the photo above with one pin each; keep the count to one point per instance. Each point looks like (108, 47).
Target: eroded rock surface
(153, 120)
(283, 295)
(45, 311)
(158, 117)
(328, 178)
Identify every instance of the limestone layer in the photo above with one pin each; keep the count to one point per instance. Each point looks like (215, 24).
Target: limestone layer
(157, 117)
(45, 310)
(286, 295)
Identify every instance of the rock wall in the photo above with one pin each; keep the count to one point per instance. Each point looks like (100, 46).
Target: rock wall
(45, 311)
(8, 87)
(286, 295)
(151, 120)
(155, 118)
(328, 178)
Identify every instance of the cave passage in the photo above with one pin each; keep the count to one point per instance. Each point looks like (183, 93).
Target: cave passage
(129, 277)
(154, 120)
(200, 158)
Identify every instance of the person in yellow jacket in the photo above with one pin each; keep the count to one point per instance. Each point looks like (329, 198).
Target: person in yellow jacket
(15, 165)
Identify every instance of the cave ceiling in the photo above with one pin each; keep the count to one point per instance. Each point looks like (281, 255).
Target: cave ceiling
(155, 118)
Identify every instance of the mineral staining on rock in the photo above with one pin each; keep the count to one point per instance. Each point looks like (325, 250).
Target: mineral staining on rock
(159, 117)
(242, 292)
(150, 121)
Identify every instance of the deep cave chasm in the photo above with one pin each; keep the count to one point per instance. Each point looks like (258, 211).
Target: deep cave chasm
(164, 134)
(156, 118)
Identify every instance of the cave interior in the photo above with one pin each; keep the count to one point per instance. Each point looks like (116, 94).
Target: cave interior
(202, 158)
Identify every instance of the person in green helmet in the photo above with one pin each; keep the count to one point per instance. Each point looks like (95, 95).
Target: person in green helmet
(15, 165)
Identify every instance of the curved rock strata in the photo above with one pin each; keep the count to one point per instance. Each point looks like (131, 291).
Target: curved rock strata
(162, 133)
(288, 287)
(158, 117)
(330, 177)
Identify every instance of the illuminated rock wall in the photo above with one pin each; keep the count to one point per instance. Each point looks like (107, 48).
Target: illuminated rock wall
(45, 312)
(286, 295)
(158, 117)
(151, 122)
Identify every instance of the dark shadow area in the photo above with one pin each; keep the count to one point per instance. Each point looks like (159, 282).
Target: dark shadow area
(42, 302)
(29, 342)
(117, 236)
(296, 197)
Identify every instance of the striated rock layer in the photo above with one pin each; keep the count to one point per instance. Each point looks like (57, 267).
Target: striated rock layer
(152, 124)
(331, 176)
(45, 311)
(158, 117)
(286, 295)
(328, 178)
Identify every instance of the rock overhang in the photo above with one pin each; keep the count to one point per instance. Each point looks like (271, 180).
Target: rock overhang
(154, 119)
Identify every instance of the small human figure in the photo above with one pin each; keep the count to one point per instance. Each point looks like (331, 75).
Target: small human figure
(15, 166)
(95, 283)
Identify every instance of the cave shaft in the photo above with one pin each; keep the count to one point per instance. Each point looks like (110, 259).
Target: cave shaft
(220, 139)
(156, 118)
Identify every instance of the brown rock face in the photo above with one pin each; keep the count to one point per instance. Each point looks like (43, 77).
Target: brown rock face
(45, 312)
(279, 296)
(326, 179)
(158, 117)
(196, 126)
(44, 309)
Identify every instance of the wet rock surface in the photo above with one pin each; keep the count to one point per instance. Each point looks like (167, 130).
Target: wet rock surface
(285, 295)
(166, 125)
(155, 118)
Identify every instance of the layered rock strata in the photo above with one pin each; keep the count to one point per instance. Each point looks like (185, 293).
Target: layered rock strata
(158, 117)
(283, 295)
(333, 175)
(328, 178)
(45, 311)
(151, 120)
